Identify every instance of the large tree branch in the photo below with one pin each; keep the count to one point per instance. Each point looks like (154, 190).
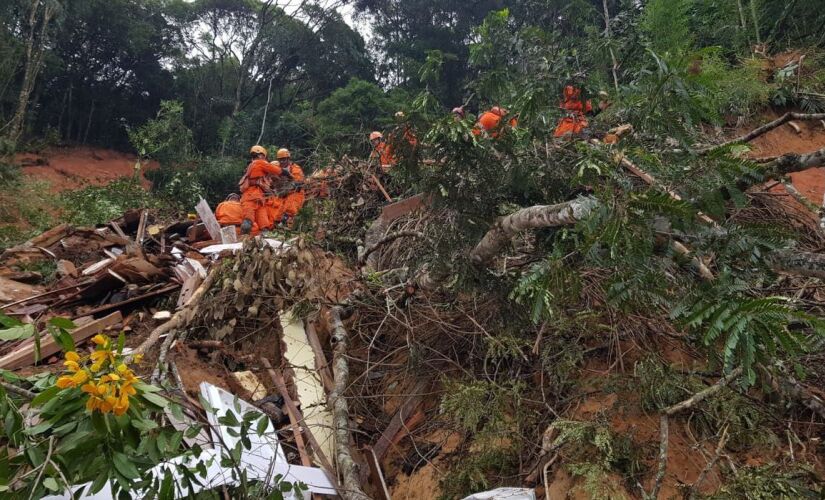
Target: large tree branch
(570, 212)
(502, 232)
(764, 129)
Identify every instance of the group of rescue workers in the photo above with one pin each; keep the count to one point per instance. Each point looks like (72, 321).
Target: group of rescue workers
(273, 193)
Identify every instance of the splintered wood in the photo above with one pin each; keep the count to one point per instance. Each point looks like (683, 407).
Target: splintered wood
(300, 356)
(26, 354)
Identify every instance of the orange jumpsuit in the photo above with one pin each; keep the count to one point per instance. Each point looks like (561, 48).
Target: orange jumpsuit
(293, 201)
(252, 198)
(490, 122)
(289, 203)
(383, 152)
(229, 213)
(574, 121)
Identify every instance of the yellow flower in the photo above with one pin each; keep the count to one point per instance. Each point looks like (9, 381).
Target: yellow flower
(121, 406)
(138, 358)
(95, 367)
(127, 389)
(89, 388)
(100, 339)
(102, 389)
(93, 403)
(99, 356)
(72, 366)
(72, 356)
(122, 368)
(65, 381)
(80, 377)
(109, 377)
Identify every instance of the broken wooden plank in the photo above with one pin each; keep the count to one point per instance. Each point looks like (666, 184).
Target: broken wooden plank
(46, 294)
(189, 286)
(250, 386)
(98, 266)
(295, 413)
(300, 357)
(209, 220)
(25, 355)
(119, 231)
(141, 230)
(406, 411)
(118, 305)
(14, 291)
(321, 363)
(229, 235)
(403, 207)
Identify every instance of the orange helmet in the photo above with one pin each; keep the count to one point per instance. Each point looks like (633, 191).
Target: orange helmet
(282, 153)
(376, 135)
(571, 92)
(257, 150)
(497, 110)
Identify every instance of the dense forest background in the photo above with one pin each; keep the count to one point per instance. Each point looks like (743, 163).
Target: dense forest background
(91, 71)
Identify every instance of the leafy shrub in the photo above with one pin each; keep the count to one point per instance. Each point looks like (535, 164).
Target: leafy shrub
(593, 451)
(769, 482)
(100, 204)
(182, 191)
(660, 387)
(165, 138)
(219, 176)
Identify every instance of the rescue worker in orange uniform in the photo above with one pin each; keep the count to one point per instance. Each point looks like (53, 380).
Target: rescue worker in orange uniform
(490, 122)
(382, 151)
(574, 121)
(291, 192)
(254, 184)
(230, 212)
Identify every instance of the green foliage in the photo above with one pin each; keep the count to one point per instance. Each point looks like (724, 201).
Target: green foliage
(748, 424)
(750, 329)
(592, 451)
(492, 413)
(475, 473)
(219, 176)
(667, 26)
(165, 138)
(344, 120)
(546, 286)
(100, 204)
(769, 482)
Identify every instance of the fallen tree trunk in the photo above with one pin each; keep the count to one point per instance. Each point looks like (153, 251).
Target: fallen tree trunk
(347, 468)
(502, 232)
(798, 263)
(764, 129)
(570, 212)
(793, 162)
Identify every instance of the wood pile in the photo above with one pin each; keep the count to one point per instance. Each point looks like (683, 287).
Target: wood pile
(101, 276)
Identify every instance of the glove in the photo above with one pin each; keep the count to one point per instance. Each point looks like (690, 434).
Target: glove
(285, 219)
(286, 173)
(246, 226)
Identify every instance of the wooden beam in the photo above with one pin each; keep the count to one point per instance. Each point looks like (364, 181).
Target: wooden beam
(296, 416)
(321, 363)
(382, 446)
(209, 220)
(25, 355)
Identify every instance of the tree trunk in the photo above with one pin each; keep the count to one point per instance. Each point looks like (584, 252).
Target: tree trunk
(607, 35)
(347, 468)
(538, 216)
(742, 15)
(34, 58)
(755, 22)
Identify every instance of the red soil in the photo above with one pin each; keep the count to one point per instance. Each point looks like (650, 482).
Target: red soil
(77, 167)
(811, 182)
